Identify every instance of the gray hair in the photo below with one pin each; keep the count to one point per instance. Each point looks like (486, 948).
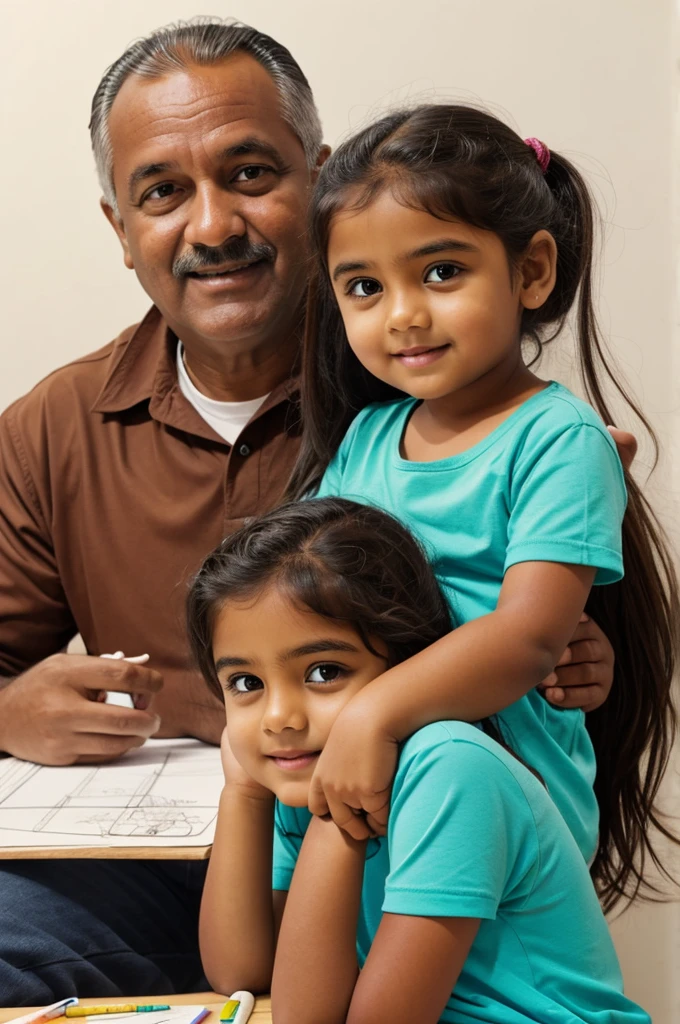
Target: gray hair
(203, 41)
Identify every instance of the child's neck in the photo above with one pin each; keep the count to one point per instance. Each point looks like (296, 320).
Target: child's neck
(456, 422)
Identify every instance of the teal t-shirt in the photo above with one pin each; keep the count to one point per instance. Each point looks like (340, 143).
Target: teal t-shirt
(472, 833)
(546, 485)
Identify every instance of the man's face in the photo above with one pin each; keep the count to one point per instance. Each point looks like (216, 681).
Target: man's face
(212, 188)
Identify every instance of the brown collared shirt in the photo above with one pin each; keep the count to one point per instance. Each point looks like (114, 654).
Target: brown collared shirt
(112, 490)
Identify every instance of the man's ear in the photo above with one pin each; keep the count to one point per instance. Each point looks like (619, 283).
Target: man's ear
(324, 153)
(118, 226)
(538, 270)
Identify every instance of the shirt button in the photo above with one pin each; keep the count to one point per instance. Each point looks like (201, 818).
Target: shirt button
(244, 450)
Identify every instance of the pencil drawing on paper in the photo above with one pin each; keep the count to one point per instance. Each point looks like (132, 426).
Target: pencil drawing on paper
(167, 790)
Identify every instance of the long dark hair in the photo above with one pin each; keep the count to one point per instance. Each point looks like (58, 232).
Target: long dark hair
(341, 560)
(460, 162)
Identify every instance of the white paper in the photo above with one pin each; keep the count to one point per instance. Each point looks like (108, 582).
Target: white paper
(166, 793)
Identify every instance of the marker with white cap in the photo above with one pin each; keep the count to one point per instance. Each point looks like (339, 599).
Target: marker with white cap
(238, 1008)
(120, 699)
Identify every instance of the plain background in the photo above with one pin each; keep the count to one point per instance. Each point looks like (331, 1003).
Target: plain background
(595, 80)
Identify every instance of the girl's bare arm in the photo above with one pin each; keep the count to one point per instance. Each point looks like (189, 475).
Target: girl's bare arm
(411, 969)
(236, 925)
(239, 916)
(316, 963)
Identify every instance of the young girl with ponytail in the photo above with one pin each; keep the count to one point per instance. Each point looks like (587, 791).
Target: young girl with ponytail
(447, 248)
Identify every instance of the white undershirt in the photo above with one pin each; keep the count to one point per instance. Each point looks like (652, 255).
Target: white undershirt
(226, 418)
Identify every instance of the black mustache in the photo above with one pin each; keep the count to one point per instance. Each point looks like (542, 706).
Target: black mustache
(237, 250)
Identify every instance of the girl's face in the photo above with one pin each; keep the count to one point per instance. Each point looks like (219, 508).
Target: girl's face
(287, 674)
(430, 306)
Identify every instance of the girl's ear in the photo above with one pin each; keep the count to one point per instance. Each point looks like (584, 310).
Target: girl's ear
(538, 270)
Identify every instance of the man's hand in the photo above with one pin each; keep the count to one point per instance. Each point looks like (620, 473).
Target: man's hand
(54, 713)
(626, 445)
(584, 674)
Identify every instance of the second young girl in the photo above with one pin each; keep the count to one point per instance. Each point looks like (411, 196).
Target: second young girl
(445, 243)
(477, 906)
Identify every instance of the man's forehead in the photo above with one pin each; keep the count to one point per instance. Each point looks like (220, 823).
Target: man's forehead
(195, 100)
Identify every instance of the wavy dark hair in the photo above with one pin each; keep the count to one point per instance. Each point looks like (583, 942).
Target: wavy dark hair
(458, 162)
(340, 559)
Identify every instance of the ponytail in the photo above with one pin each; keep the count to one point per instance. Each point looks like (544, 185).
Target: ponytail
(633, 731)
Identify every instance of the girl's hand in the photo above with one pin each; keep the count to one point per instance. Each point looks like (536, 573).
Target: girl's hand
(353, 778)
(237, 777)
(584, 674)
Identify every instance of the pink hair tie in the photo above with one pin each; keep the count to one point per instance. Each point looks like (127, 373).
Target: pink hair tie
(542, 152)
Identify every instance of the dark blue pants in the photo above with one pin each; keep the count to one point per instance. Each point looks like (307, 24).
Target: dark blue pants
(98, 928)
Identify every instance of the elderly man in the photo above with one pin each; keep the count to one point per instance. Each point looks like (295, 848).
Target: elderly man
(119, 471)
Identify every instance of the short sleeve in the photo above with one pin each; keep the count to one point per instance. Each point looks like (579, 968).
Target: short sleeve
(567, 504)
(290, 826)
(459, 827)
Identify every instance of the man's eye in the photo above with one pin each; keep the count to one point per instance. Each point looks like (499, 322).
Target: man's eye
(364, 288)
(251, 173)
(244, 684)
(442, 272)
(326, 673)
(161, 191)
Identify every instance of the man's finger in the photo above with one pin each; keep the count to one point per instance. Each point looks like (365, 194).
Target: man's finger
(584, 650)
(586, 631)
(106, 674)
(585, 697)
(626, 444)
(550, 680)
(110, 720)
(586, 673)
(94, 747)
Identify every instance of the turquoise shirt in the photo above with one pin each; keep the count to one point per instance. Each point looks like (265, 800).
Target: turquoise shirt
(546, 485)
(472, 833)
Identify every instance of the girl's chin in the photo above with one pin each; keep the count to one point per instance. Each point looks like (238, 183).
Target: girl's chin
(293, 794)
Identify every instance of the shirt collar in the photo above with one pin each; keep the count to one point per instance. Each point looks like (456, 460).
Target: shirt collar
(143, 368)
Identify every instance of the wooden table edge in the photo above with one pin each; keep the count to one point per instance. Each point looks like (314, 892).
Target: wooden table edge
(105, 852)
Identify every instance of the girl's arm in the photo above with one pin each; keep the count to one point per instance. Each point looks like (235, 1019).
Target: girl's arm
(316, 969)
(237, 924)
(475, 671)
(411, 969)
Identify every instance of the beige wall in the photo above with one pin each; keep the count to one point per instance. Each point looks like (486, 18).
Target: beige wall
(594, 79)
